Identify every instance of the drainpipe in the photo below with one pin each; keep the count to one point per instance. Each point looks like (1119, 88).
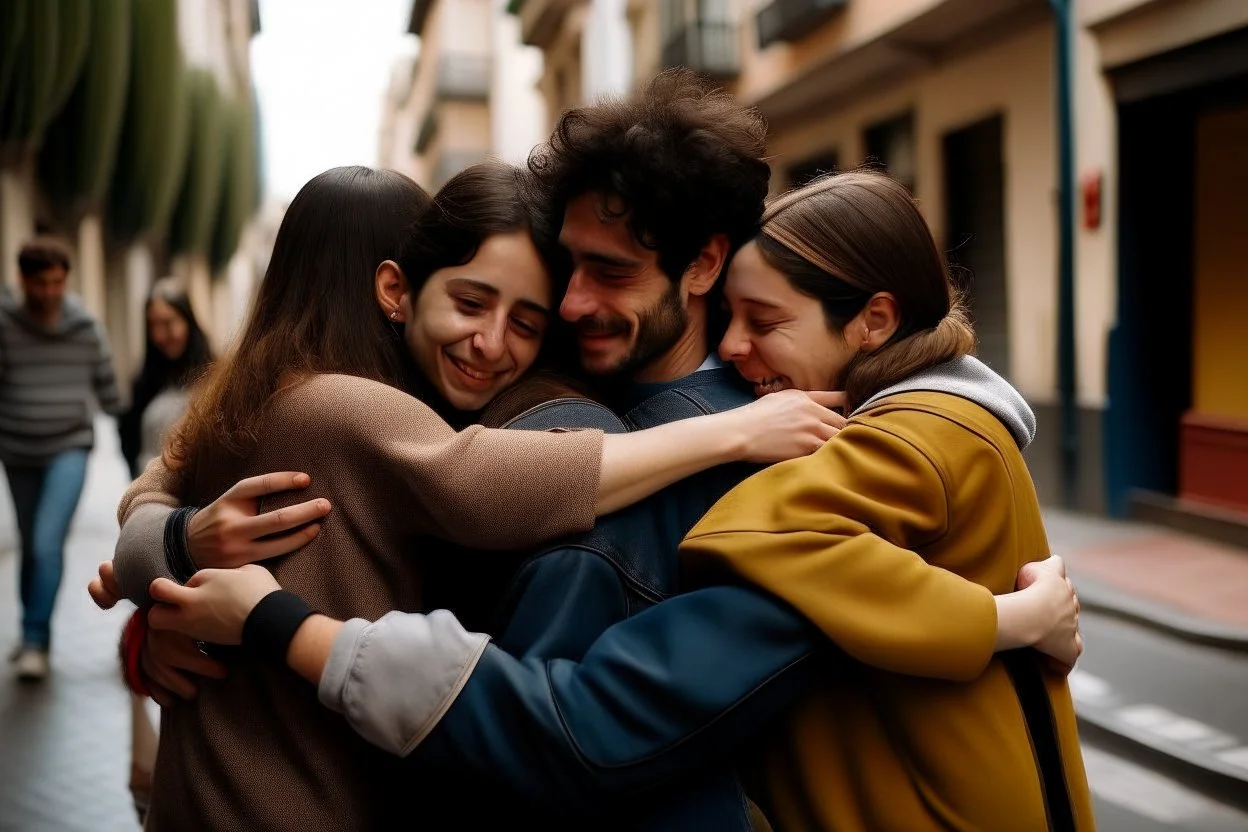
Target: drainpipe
(1067, 390)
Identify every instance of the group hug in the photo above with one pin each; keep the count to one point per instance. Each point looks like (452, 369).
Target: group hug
(603, 493)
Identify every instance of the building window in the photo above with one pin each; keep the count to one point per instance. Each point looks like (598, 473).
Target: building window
(464, 77)
(790, 20)
(812, 168)
(890, 147)
(699, 34)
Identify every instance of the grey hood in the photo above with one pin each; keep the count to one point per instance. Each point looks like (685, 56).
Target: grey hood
(969, 378)
(73, 315)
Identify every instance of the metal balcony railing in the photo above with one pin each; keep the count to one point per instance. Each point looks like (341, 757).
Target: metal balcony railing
(706, 47)
(788, 20)
(464, 77)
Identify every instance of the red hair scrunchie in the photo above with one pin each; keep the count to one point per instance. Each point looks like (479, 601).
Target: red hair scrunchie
(133, 637)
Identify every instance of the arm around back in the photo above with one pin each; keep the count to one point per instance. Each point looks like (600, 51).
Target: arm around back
(836, 535)
(669, 692)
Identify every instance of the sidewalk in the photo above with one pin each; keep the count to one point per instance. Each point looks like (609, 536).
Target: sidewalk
(1189, 586)
(65, 744)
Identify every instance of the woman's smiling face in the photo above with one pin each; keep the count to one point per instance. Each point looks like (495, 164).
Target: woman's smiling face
(475, 329)
(779, 337)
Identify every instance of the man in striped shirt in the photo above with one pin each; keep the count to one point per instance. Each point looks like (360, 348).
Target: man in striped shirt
(53, 360)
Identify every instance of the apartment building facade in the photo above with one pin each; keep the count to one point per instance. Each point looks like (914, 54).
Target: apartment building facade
(1129, 354)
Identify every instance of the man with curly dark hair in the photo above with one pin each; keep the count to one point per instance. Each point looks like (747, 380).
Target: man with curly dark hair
(657, 191)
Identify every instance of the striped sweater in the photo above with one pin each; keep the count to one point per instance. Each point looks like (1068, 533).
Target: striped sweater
(47, 379)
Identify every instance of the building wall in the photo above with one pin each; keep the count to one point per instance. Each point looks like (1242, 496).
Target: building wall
(1012, 77)
(517, 108)
(1131, 30)
(215, 35)
(643, 21)
(1096, 262)
(465, 26)
(453, 29)
(765, 71)
(561, 81)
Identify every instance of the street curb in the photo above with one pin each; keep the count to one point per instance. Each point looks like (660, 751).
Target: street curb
(1202, 772)
(1102, 598)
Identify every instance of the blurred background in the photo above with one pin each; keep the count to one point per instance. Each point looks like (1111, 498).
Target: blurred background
(1083, 162)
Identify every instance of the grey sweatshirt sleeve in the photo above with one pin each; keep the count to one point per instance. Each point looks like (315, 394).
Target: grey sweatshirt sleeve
(139, 557)
(104, 377)
(395, 678)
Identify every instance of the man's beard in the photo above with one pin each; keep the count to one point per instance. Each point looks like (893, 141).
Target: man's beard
(658, 329)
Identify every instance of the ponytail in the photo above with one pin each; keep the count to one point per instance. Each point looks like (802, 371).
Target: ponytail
(869, 373)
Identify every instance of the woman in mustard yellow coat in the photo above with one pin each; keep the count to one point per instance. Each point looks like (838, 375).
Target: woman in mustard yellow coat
(845, 288)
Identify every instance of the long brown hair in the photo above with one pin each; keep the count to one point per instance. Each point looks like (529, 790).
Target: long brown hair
(315, 312)
(842, 239)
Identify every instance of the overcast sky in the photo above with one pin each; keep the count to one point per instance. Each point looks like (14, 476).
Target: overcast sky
(321, 68)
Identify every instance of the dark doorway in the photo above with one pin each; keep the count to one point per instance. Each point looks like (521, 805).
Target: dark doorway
(812, 168)
(1150, 346)
(1150, 371)
(975, 233)
(890, 147)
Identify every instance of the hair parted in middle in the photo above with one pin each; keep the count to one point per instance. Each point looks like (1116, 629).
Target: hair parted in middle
(680, 157)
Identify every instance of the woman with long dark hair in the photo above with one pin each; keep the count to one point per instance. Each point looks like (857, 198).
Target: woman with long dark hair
(177, 353)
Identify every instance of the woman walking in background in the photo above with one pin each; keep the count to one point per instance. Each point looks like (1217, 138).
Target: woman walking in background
(177, 354)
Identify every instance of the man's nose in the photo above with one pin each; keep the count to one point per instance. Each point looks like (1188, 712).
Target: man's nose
(578, 301)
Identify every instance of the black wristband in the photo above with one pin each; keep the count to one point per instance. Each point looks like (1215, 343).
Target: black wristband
(177, 551)
(271, 625)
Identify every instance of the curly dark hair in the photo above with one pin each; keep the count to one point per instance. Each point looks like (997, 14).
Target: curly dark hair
(684, 160)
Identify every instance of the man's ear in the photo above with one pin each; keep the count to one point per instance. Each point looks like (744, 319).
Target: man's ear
(880, 319)
(707, 266)
(391, 285)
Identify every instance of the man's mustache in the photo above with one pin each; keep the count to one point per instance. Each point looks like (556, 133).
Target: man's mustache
(602, 326)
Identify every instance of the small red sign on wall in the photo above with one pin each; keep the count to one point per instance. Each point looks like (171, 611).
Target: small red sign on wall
(1090, 190)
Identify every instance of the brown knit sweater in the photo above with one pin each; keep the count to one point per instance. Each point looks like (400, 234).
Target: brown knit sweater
(257, 751)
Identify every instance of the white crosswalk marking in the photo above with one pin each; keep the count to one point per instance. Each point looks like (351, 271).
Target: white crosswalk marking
(1147, 793)
(1236, 757)
(1084, 687)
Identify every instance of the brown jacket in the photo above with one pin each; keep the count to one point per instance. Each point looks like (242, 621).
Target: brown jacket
(876, 751)
(257, 750)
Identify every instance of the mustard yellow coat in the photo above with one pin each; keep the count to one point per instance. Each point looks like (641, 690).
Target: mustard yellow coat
(874, 750)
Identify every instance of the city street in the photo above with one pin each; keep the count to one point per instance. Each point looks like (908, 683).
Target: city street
(66, 744)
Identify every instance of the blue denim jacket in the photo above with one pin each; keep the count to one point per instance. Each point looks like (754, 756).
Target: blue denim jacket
(565, 596)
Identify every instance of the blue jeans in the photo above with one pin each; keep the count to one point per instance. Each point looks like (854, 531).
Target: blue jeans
(44, 499)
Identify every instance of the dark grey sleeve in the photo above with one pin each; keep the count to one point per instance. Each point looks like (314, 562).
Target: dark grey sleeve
(139, 557)
(104, 377)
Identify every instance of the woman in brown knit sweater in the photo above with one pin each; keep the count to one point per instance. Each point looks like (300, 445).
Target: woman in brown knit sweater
(316, 383)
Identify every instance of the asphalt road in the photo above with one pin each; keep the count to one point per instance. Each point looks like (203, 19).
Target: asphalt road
(1171, 700)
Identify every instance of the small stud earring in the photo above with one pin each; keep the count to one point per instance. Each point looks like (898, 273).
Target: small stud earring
(394, 316)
